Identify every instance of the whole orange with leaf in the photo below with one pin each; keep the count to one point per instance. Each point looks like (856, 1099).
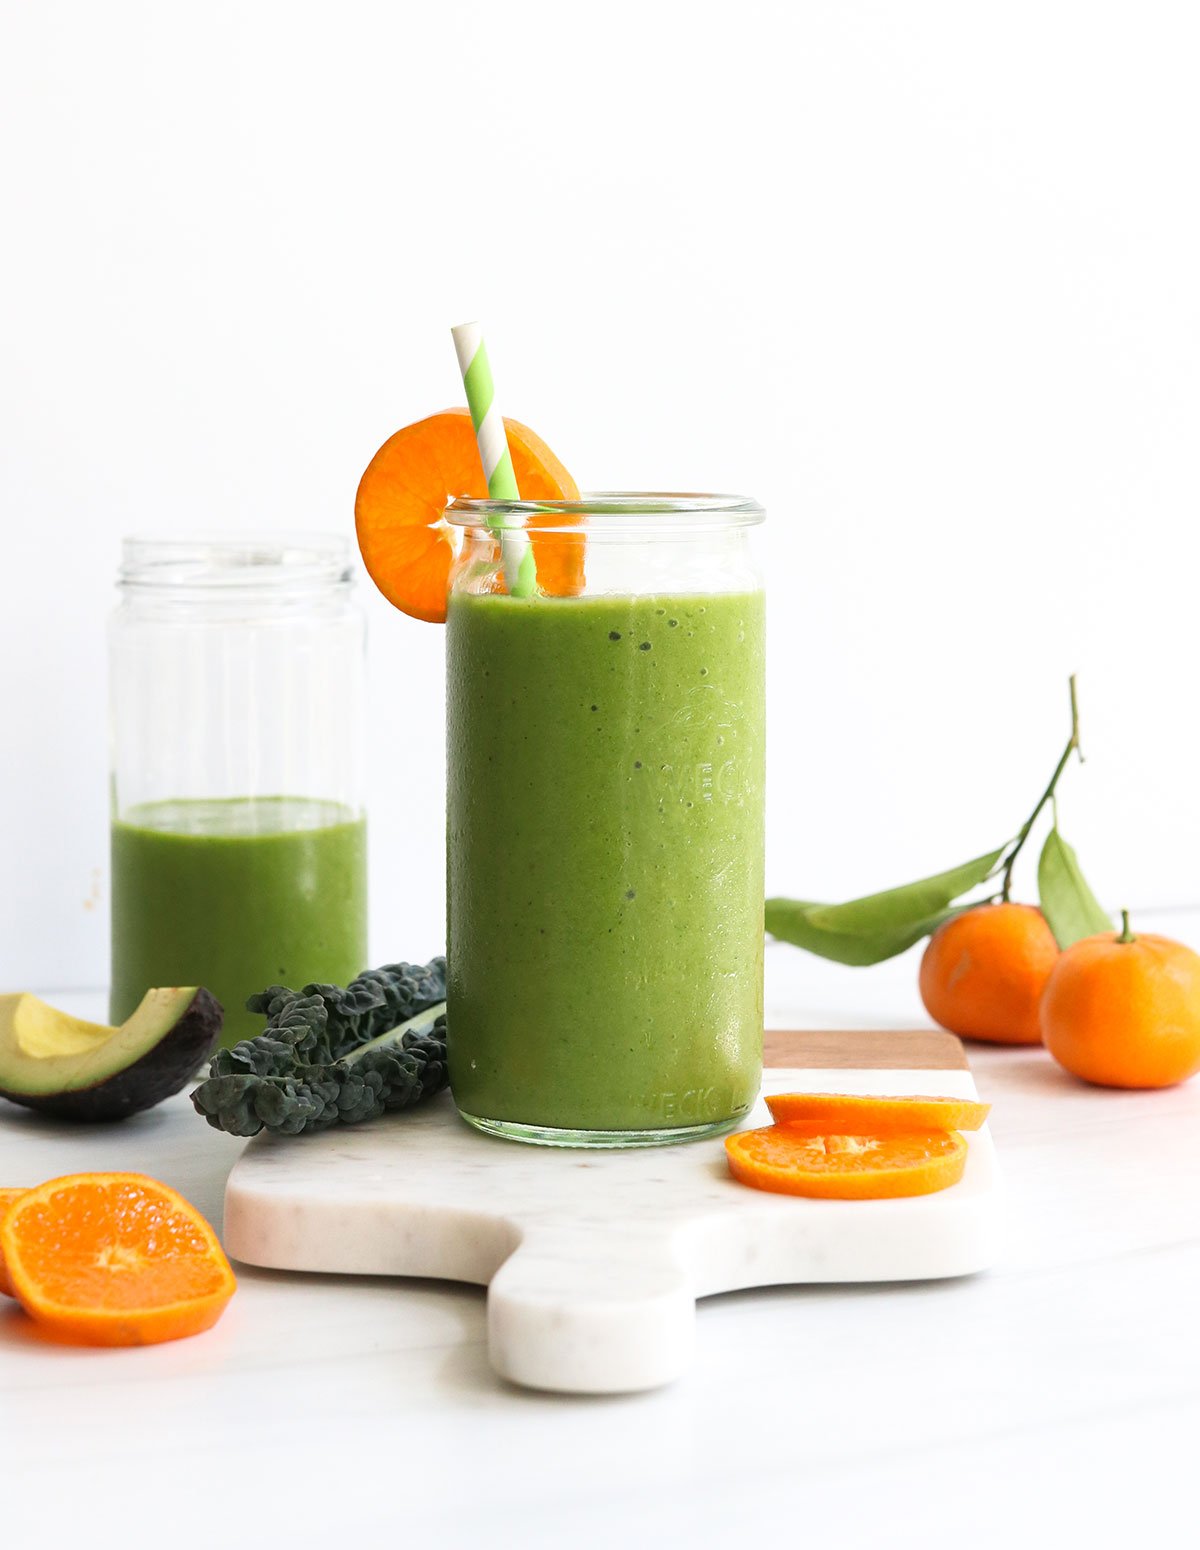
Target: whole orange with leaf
(1123, 1010)
(987, 960)
(983, 973)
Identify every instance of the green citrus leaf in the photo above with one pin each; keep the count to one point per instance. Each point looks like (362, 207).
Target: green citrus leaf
(900, 909)
(790, 921)
(1071, 908)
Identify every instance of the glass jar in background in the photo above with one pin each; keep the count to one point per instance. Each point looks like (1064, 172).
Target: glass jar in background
(605, 778)
(238, 832)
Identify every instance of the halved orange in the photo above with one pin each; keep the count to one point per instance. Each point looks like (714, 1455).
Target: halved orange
(399, 510)
(853, 1113)
(7, 1196)
(114, 1259)
(809, 1160)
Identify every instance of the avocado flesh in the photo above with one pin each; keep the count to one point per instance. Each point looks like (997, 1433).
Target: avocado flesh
(43, 1032)
(66, 1066)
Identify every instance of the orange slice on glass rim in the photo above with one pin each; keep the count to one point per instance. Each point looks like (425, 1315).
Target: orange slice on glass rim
(399, 512)
(848, 1113)
(810, 1160)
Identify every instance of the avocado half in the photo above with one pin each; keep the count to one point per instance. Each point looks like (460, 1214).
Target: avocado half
(73, 1069)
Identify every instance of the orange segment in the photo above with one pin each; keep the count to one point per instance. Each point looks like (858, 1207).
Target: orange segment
(808, 1160)
(852, 1114)
(114, 1259)
(7, 1196)
(405, 540)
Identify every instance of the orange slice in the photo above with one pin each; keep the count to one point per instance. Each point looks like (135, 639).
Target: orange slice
(7, 1196)
(405, 540)
(809, 1160)
(114, 1259)
(850, 1113)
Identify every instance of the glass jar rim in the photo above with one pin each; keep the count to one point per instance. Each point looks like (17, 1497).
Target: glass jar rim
(615, 511)
(236, 560)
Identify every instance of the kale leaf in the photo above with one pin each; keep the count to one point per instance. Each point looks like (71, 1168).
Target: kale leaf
(333, 1055)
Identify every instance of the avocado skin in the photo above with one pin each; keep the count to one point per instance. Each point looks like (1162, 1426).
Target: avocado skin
(158, 1073)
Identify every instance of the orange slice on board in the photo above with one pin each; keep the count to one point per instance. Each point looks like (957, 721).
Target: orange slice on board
(403, 535)
(7, 1196)
(851, 1113)
(114, 1259)
(809, 1160)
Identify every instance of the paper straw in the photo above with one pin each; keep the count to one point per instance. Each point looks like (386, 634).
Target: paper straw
(519, 573)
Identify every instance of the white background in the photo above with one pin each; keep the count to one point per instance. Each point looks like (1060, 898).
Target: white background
(921, 277)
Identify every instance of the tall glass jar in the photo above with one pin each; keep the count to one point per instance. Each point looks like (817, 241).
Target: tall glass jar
(605, 744)
(238, 833)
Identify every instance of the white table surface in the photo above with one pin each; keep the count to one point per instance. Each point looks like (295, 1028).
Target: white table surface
(1055, 1400)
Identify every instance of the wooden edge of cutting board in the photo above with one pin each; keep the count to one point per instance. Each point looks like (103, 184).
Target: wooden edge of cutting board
(867, 1049)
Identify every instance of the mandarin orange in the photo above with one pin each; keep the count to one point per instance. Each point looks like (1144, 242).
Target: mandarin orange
(1124, 1010)
(7, 1197)
(983, 973)
(405, 541)
(858, 1114)
(114, 1259)
(811, 1160)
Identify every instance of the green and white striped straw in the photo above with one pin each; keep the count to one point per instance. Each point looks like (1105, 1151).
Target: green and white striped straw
(519, 572)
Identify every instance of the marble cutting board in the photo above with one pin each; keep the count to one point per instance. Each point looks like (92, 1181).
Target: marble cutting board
(594, 1261)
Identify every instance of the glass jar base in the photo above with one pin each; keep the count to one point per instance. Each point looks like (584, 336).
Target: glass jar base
(599, 1140)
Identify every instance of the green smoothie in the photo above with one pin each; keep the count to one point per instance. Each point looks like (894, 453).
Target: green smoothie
(605, 869)
(236, 895)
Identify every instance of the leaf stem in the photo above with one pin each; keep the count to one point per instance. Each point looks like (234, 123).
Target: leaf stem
(1009, 860)
(394, 1035)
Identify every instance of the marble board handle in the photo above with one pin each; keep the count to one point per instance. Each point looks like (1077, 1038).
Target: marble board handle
(574, 1311)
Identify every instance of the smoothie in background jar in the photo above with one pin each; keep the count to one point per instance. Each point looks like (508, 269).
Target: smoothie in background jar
(238, 834)
(236, 894)
(605, 830)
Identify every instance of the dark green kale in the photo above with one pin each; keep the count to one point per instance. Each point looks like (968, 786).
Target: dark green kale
(331, 1055)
